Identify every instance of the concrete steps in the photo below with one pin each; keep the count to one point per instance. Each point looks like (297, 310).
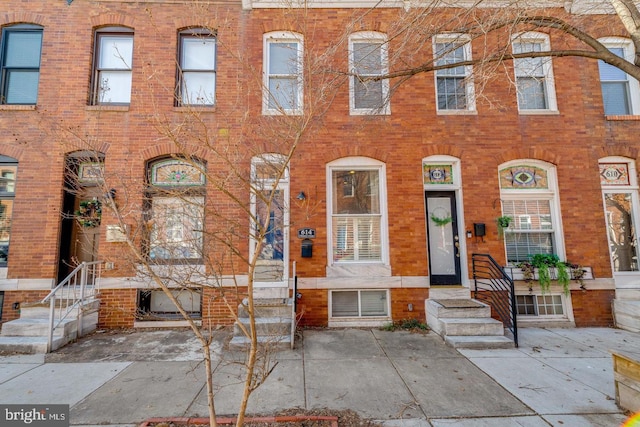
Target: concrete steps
(29, 334)
(466, 323)
(627, 314)
(272, 320)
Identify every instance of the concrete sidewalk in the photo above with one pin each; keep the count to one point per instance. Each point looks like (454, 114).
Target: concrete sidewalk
(558, 377)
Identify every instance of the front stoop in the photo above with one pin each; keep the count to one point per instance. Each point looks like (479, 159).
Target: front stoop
(273, 323)
(466, 323)
(627, 314)
(29, 334)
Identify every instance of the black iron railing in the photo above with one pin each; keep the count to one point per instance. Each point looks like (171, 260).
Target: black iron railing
(494, 287)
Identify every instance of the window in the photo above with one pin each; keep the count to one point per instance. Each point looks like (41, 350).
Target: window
(282, 73)
(175, 210)
(197, 73)
(534, 76)
(357, 212)
(528, 195)
(620, 196)
(368, 59)
(8, 171)
(359, 303)
(454, 88)
(540, 305)
(112, 66)
(20, 58)
(156, 305)
(620, 92)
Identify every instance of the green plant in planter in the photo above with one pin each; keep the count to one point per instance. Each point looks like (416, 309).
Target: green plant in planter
(577, 274)
(528, 273)
(503, 222)
(543, 262)
(564, 277)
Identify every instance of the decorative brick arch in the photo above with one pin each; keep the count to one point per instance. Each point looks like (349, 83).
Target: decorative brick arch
(169, 148)
(112, 19)
(22, 18)
(529, 153)
(624, 151)
(356, 151)
(442, 150)
(8, 150)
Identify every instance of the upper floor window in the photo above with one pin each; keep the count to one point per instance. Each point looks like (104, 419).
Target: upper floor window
(8, 171)
(534, 76)
(175, 210)
(197, 73)
(112, 66)
(454, 87)
(282, 73)
(529, 197)
(620, 92)
(368, 59)
(20, 59)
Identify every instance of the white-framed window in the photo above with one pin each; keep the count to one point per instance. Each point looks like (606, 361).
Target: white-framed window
(528, 192)
(454, 86)
(620, 92)
(618, 180)
(538, 305)
(112, 66)
(364, 303)
(283, 79)
(20, 51)
(197, 72)
(368, 58)
(357, 218)
(8, 172)
(534, 76)
(175, 210)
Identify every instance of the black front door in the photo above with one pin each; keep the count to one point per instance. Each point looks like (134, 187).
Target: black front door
(443, 239)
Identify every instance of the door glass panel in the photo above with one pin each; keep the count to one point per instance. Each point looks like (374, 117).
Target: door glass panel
(270, 265)
(621, 231)
(441, 244)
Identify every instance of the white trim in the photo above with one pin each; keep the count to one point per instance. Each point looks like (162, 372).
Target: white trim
(549, 83)
(468, 72)
(373, 37)
(281, 37)
(629, 54)
(359, 320)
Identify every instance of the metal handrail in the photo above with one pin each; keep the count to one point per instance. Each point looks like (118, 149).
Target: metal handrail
(70, 294)
(293, 306)
(493, 286)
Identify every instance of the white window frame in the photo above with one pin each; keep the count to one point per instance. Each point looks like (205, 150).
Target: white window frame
(550, 194)
(632, 84)
(355, 321)
(566, 308)
(123, 67)
(547, 69)
(369, 37)
(187, 96)
(461, 40)
(282, 37)
(359, 163)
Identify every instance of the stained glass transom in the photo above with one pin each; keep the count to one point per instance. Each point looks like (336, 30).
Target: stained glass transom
(437, 174)
(176, 172)
(614, 174)
(523, 177)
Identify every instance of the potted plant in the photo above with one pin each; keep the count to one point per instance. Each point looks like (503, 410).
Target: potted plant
(503, 222)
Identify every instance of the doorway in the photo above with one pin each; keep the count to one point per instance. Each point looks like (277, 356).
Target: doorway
(443, 239)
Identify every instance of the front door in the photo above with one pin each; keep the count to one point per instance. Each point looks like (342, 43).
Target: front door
(271, 265)
(443, 239)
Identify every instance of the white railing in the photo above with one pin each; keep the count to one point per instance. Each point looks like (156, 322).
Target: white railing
(293, 306)
(80, 285)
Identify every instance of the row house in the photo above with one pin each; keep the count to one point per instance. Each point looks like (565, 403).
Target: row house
(394, 184)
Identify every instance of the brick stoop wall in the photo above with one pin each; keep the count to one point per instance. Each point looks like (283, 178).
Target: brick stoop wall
(593, 308)
(10, 298)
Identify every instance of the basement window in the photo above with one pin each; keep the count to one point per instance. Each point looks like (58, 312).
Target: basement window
(550, 305)
(359, 303)
(156, 305)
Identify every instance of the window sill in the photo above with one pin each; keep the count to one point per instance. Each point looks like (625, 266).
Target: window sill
(358, 322)
(622, 118)
(195, 109)
(539, 112)
(121, 108)
(457, 112)
(17, 107)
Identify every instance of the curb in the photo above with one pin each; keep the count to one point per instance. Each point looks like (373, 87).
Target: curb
(278, 419)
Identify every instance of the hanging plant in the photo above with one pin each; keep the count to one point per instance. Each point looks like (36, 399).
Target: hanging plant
(503, 222)
(441, 222)
(564, 278)
(89, 213)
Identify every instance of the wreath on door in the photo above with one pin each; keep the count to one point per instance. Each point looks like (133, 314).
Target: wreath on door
(89, 213)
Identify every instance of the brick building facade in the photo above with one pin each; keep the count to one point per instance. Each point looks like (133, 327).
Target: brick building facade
(399, 193)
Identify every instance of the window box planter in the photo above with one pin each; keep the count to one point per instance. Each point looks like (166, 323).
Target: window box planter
(515, 273)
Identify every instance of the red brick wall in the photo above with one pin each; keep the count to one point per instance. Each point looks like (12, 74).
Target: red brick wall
(216, 305)
(402, 297)
(593, 307)
(117, 308)
(10, 298)
(313, 307)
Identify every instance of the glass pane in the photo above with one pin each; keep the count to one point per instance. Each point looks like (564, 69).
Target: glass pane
(448, 53)
(367, 58)
(440, 228)
(526, 306)
(531, 93)
(22, 87)
(283, 58)
(615, 96)
(363, 197)
(8, 179)
(6, 210)
(23, 49)
(373, 303)
(520, 246)
(198, 88)
(115, 87)
(198, 53)
(344, 304)
(367, 95)
(177, 228)
(283, 93)
(116, 52)
(528, 214)
(270, 265)
(609, 72)
(452, 93)
(621, 232)
(356, 239)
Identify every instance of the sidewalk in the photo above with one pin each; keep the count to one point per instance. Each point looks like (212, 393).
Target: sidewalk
(558, 377)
